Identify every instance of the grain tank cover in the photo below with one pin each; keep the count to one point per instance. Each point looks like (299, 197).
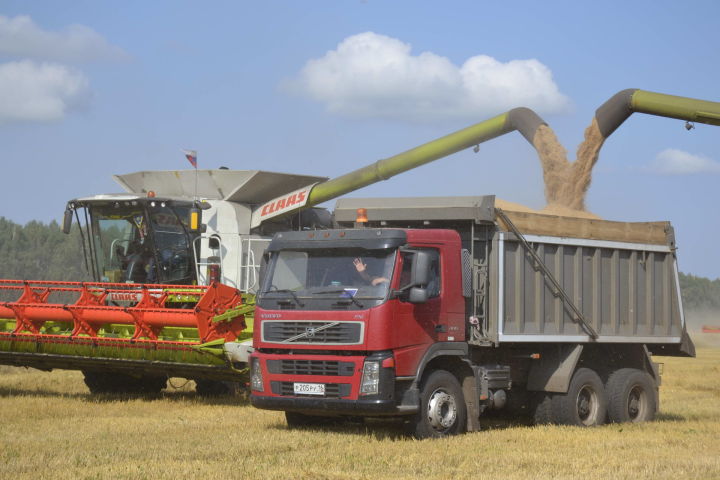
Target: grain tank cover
(239, 186)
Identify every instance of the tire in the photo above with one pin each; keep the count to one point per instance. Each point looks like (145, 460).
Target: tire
(632, 396)
(122, 383)
(584, 404)
(442, 407)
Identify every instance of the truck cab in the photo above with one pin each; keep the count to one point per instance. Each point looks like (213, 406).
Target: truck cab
(361, 307)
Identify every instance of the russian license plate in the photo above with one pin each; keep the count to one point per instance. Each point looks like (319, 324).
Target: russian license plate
(309, 388)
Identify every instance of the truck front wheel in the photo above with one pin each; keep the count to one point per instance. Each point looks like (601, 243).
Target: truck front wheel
(632, 396)
(442, 407)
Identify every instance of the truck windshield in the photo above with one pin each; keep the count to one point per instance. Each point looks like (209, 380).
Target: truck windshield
(349, 272)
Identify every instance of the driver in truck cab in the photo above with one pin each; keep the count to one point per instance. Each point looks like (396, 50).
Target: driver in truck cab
(361, 268)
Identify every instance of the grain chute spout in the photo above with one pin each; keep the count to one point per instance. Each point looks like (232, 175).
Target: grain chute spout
(523, 120)
(620, 106)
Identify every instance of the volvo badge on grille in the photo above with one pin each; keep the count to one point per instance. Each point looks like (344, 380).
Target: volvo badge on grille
(311, 331)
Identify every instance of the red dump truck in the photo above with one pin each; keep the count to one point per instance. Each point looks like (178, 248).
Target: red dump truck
(442, 309)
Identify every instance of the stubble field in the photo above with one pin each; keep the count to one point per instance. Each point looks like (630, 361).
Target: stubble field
(51, 427)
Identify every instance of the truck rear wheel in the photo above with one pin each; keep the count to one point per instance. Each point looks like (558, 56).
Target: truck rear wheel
(442, 407)
(122, 383)
(632, 396)
(584, 404)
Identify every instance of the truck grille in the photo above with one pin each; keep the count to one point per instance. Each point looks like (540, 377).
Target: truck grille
(311, 332)
(311, 367)
(332, 390)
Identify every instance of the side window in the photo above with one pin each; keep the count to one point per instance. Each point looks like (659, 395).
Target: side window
(433, 285)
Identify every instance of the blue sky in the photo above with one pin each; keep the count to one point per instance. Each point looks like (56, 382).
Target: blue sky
(89, 89)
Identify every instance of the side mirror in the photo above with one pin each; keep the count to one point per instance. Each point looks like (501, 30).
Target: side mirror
(420, 270)
(67, 221)
(214, 243)
(418, 295)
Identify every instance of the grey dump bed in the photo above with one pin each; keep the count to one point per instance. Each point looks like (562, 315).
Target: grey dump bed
(618, 281)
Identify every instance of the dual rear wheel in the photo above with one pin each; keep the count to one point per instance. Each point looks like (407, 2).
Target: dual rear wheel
(628, 396)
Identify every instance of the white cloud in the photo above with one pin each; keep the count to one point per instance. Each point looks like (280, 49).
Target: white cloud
(39, 92)
(672, 161)
(372, 75)
(21, 37)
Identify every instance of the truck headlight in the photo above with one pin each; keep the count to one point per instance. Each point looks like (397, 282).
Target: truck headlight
(256, 378)
(370, 381)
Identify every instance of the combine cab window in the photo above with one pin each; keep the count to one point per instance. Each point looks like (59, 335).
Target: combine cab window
(134, 245)
(120, 242)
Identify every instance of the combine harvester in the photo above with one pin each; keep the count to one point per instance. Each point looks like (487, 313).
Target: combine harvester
(176, 260)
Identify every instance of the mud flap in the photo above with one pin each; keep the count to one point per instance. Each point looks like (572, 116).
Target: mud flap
(552, 373)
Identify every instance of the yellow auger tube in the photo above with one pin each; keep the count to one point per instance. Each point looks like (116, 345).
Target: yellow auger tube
(523, 120)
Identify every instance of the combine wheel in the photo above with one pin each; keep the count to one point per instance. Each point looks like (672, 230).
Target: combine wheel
(121, 383)
(442, 407)
(584, 404)
(632, 396)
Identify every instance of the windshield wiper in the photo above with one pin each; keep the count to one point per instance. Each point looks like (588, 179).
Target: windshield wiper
(274, 289)
(350, 296)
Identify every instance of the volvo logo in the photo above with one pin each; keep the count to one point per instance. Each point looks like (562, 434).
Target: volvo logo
(309, 332)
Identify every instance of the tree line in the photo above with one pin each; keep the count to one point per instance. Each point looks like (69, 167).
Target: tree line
(38, 251)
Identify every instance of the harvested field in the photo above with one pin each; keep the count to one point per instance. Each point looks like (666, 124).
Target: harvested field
(52, 428)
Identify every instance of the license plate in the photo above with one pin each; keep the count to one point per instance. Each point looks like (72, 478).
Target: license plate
(309, 388)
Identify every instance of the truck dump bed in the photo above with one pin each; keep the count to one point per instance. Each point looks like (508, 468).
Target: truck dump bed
(619, 279)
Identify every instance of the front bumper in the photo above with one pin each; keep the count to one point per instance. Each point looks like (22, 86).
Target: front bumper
(340, 375)
(326, 406)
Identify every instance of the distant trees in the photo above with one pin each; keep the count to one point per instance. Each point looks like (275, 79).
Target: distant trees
(700, 292)
(38, 251)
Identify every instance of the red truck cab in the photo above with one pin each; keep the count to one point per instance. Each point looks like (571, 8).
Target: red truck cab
(335, 338)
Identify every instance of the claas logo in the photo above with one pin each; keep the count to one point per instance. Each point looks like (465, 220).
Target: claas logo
(283, 203)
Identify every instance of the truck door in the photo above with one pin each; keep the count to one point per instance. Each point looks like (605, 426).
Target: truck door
(429, 316)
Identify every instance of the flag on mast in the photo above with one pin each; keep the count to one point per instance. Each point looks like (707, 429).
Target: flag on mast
(191, 155)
